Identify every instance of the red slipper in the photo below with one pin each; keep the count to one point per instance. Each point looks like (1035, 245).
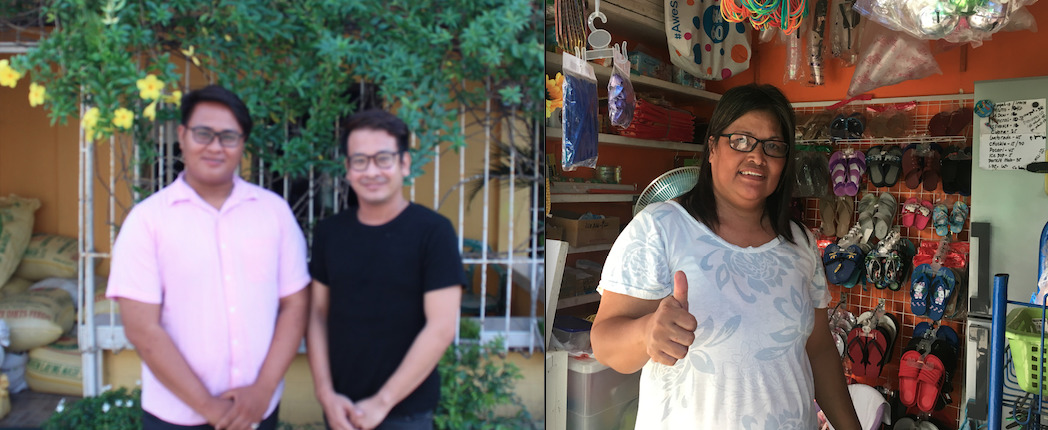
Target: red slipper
(876, 351)
(909, 369)
(856, 350)
(929, 383)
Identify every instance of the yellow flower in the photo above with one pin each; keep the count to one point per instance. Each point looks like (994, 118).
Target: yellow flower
(36, 94)
(8, 76)
(89, 121)
(123, 118)
(150, 111)
(149, 87)
(191, 54)
(228, 38)
(555, 87)
(175, 97)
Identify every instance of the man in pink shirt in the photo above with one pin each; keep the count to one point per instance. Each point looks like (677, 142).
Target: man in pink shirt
(210, 274)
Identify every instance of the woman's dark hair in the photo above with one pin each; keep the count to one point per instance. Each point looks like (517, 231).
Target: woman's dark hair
(220, 95)
(700, 201)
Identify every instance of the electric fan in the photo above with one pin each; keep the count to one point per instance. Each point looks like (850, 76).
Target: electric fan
(669, 185)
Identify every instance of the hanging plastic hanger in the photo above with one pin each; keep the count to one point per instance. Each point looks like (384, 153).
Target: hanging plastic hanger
(599, 38)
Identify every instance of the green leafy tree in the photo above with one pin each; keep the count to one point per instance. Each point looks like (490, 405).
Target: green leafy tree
(295, 63)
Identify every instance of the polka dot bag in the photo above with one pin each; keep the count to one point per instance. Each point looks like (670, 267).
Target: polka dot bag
(702, 43)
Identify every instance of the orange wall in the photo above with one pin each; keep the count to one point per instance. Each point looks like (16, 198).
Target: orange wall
(1007, 55)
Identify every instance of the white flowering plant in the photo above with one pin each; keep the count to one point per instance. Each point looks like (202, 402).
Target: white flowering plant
(118, 409)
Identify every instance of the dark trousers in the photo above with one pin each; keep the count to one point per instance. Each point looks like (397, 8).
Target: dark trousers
(419, 421)
(151, 422)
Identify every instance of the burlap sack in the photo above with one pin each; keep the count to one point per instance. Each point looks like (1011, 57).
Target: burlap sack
(48, 256)
(14, 286)
(37, 317)
(56, 368)
(16, 226)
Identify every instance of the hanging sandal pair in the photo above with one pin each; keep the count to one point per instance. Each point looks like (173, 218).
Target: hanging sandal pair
(871, 343)
(925, 369)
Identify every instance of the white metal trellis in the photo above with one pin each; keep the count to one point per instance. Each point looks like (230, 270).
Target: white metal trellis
(524, 268)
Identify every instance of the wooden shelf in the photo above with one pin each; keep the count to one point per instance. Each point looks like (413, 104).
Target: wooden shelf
(555, 62)
(591, 198)
(591, 248)
(614, 139)
(578, 300)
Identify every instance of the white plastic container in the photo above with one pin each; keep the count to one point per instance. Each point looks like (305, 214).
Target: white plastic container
(599, 397)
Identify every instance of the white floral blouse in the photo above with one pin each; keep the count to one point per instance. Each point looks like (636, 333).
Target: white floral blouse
(747, 368)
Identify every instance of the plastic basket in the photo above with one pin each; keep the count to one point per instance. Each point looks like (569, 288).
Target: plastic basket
(1023, 331)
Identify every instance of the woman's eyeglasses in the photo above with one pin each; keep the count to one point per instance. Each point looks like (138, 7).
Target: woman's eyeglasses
(745, 143)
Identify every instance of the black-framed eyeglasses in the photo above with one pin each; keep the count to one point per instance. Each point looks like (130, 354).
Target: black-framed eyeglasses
(745, 143)
(205, 135)
(383, 159)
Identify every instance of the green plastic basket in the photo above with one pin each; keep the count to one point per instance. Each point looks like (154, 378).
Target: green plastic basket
(1024, 339)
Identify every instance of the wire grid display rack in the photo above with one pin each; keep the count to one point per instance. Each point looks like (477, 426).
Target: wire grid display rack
(863, 298)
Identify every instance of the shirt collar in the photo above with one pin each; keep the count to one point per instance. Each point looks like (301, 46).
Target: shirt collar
(180, 191)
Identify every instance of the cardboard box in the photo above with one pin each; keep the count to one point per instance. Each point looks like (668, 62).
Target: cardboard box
(576, 282)
(585, 232)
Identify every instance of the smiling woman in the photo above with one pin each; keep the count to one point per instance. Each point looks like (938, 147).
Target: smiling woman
(757, 325)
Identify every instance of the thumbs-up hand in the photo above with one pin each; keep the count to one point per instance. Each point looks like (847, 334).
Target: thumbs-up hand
(671, 329)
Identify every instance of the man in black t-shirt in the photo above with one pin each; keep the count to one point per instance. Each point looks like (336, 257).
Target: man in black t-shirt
(387, 278)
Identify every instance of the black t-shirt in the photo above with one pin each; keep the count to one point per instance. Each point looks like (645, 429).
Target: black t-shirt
(377, 276)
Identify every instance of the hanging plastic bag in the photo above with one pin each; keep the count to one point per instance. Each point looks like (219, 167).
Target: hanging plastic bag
(847, 24)
(816, 47)
(621, 98)
(891, 57)
(795, 70)
(702, 43)
(580, 114)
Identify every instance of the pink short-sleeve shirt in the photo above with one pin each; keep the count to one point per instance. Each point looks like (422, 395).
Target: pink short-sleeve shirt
(218, 275)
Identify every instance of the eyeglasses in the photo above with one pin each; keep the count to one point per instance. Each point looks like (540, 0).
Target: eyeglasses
(204, 136)
(745, 143)
(383, 160)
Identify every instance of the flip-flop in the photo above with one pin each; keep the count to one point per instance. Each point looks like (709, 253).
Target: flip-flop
(856, 169)
(941, 288)
(930, 177)
(891, 165)
(920, 329)
(873, 269)
(885, 216)
(940, 220)
(874, 160)
(920, 287)
(938, 125)
(929, 383)
(909, 211)
(830, 262)
(856, 350)
(959, 121)
(876, 351)
(912, 166)
(948, 170)
(891, 327)
(828, 215)
(845, 209)
(906, 423)
(898, 125)
(909, 370)
(838, 166)
(958, 216)
(923, 215)
(949, 335)
(868, 204)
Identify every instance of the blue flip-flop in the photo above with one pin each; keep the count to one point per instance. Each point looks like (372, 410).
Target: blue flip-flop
(958, 216)
(920, 288)
(940, 220)
(920, 329)
(831, 262)
(948, 334)
(941, 288)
